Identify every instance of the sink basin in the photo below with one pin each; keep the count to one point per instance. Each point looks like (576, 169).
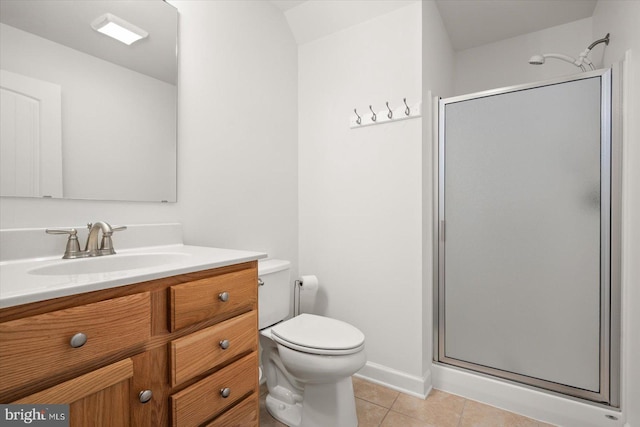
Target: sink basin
(107, 264)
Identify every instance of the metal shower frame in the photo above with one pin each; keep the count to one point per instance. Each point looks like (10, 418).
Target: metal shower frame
(610, 238)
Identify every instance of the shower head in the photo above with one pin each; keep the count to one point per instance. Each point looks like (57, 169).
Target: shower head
(540, 59)
(580, 62)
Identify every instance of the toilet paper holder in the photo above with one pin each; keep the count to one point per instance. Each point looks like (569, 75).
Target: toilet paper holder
(307, 284)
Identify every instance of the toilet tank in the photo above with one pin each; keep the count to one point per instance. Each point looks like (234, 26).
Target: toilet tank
(274, 295)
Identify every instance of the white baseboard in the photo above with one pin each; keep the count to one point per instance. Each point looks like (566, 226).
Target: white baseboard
(396, 380)
(532, 403)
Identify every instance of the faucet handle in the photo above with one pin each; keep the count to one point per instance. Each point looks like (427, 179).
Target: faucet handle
(70, 231)
(106, 246)
(73, 247)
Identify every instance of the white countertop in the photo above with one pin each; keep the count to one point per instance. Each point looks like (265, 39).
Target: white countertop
(20, 286)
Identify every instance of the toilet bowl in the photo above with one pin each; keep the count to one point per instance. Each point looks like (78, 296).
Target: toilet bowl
(308, 361)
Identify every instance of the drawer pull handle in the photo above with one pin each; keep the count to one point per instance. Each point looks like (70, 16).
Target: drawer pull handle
(224, 344)
(78, 340)
(224, 296)
(145, 396)
(225, 392)
(260, 282)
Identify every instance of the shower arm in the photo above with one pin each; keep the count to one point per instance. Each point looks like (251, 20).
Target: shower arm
(567, 58)
(583, 56)
(604, 40)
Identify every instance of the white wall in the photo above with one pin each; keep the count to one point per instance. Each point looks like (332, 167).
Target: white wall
(620, 18)
(237, 127)
(438, 65)
(360, 190)
(506, 62)
(313, 19)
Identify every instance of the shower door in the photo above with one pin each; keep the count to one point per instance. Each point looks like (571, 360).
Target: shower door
(524, 226)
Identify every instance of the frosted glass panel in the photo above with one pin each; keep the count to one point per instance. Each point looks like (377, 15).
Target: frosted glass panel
(522, 249)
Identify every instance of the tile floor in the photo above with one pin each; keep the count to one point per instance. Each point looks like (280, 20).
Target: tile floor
(379, 406)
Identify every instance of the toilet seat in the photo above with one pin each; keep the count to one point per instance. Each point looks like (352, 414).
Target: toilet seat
(314, 334)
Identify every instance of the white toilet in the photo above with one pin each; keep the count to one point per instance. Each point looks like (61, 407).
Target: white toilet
(307, 360)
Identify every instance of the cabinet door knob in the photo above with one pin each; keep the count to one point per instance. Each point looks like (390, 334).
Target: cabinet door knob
(145, 396)
(223, 296)
(260, 282)
(78, 340)
(225, 392)
(224, 344)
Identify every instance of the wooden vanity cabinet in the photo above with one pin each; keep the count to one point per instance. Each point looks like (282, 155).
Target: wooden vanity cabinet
(105, 390)
(179, 351)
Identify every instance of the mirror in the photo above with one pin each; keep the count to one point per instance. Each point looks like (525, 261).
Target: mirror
(85, 116)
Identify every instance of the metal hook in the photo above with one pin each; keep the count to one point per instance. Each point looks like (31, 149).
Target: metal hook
(407, 111)
(359, 119)
(373, 118)
(390, 113)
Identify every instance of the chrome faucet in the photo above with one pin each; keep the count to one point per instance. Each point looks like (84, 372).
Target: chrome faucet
(106, 247)
(91, 248)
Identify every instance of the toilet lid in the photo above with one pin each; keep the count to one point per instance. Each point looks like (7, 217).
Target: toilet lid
(318, 335)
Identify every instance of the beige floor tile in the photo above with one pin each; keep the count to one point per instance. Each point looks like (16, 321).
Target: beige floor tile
(439, 409)
(396, 419)
(268, 421)
(369, 414)
(374, 393)
(476, 414)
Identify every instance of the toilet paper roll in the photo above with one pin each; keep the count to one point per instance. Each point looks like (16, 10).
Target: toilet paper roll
(309, 284)
(307, 294)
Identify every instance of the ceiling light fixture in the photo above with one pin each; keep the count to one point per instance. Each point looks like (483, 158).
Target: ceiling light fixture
(118, 28)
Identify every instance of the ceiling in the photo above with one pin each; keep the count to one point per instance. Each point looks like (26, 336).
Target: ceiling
(470, 23)
(285, 5)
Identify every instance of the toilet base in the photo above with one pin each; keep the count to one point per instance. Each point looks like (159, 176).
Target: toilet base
(289, 414)
(319, 407)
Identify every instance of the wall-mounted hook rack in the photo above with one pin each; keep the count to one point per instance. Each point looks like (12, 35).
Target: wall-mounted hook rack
(403, 111)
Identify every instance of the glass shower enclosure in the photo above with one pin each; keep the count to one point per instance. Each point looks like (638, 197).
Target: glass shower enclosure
(527, 225)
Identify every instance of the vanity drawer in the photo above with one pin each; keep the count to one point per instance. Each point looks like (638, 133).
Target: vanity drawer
(203, 299)
(244, 414)
(203, 400)
(38, 347)
(204, 350)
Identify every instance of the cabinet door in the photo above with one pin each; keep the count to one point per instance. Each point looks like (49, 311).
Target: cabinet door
(150, 374)
(99, 398)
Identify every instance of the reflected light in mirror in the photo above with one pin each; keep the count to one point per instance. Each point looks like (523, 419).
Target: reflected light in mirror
(118, 29)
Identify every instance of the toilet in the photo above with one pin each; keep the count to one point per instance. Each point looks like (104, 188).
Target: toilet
(307, 360)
